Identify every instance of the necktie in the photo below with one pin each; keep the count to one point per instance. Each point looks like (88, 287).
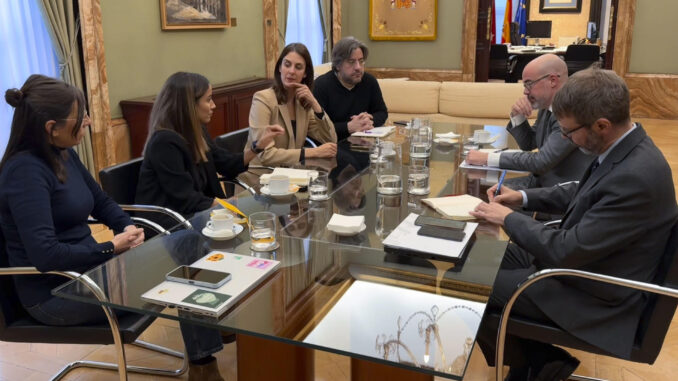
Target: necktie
(594, 165)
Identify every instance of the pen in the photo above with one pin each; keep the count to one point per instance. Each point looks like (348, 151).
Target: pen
(501, 181)
(500, 149)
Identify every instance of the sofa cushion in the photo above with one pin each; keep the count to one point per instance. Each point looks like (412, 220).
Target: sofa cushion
(412, 97)
(482, 100)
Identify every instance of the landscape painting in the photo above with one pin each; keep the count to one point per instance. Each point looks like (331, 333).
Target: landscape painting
(194, 14)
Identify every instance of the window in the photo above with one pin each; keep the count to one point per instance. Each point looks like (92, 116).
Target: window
(28, 49)
(304, 25)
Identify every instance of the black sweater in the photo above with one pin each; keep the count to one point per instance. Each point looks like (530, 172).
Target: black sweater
(170, 177)
(341, 103)
(44, 222)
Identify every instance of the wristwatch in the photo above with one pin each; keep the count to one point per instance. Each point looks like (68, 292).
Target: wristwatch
(255, 149)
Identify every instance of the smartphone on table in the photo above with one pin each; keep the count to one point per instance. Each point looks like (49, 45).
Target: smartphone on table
(440, 222)
(198, 277)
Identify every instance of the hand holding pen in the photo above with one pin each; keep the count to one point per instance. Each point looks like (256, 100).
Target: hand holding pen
(497, 192)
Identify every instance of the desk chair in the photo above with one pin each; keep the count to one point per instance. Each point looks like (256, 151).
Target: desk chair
(652, 328)
(580, 57)
(120, 183)
(16, 325)
(501, 65)
(234, 141)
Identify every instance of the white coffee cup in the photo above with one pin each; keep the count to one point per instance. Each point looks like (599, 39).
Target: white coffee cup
(481, 136)
(220, 222)
(279, 184)
(220, 211)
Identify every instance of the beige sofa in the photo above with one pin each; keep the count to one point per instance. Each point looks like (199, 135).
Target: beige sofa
(459, 102)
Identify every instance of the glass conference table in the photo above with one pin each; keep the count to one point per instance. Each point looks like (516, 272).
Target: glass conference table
(346, 295)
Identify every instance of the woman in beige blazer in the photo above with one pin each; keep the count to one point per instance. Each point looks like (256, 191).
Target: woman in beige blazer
(291, 104)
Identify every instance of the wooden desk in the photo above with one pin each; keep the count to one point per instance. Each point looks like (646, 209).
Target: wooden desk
(233, 101)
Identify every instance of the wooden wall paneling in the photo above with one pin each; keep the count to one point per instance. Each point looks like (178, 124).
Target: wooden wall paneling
(97, 83)
(121, 141)
(270, 35)
(468, 39)
(241, 110)
(417, 74)
(624, 36)
(336, 21)
(653, 95)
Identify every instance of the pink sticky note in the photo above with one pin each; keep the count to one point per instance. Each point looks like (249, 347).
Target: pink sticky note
(260, 264)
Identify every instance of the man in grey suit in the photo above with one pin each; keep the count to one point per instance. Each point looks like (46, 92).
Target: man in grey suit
(617, 221)
(558, 160)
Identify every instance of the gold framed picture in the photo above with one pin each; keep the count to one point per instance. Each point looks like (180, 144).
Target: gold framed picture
(403, 20)
(194, 14)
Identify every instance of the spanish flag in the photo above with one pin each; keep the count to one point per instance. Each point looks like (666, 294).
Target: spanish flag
(506, 29)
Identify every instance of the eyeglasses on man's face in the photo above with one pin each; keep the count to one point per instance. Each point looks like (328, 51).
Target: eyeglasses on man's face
(568, 134)
(530, 84)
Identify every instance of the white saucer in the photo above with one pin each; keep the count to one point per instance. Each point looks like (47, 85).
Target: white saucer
(445, 141)
(292, 190)
(488, 141)
(223, 235)
(347, 234)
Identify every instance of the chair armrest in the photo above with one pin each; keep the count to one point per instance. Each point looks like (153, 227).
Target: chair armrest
(138, 220)
(547, 273)
(310, 143)
(158, 209)
(239, 183)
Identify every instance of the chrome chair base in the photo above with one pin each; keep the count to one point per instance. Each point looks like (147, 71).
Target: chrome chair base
(131, 368)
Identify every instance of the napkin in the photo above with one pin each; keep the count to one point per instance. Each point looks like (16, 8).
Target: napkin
(455, 207)
(345, 224)
(299, 177)
(448, 135)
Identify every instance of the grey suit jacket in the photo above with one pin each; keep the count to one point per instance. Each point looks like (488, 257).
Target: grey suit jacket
(617, 222)
(557, 161)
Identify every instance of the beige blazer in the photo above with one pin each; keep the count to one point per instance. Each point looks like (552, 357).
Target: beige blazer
(265, 111)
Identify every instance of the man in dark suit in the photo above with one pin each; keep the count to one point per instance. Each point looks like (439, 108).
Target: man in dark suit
(616, 221)
(557, 160)
(350, 96)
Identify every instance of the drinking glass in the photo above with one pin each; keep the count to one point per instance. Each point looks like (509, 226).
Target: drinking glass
(389, 180)
(388, 214)
(418, 180)
(420, 142)
(262, 231)
(318, 188)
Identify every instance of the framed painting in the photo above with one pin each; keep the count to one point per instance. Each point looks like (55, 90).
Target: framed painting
(194, 14)
(403, 20)
(560, 6)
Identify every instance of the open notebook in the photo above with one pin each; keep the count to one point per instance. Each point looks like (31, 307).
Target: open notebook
(246, 273)
(376, 132)
(454, 207)
(299, 177)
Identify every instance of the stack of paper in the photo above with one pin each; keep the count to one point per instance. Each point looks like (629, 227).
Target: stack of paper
(405, 237)
(448, 135)
(299, 177)
(376, 132)
(465, 165)
(454, 207)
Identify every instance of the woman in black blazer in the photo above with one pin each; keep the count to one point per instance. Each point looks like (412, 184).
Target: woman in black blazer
(181, 162)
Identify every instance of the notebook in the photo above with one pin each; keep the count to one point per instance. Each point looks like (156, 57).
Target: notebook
(454, 207)
(246, 273)
(465, 165)
(376, 132)
(299, 177)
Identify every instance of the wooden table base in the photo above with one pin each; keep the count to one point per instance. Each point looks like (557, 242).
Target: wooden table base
(262, 359)
(362, 370)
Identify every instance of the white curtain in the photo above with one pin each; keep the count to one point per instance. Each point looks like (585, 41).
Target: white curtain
(304, 25)
(64, 28)
(26, 48)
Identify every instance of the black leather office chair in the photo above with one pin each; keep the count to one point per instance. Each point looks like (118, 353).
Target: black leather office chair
(652, 327)
(580, 57)
(233, 141)
(120, 183)
(16, 325)
(501, 65)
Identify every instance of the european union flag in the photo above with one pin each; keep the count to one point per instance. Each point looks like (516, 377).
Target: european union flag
(521, 19)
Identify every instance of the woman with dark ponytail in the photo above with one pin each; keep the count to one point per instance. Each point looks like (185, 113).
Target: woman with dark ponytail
(46, 196)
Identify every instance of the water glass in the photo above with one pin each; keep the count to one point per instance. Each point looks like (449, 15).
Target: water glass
(418, 180)
(388, 214)
(262, 231)
(375, 152)
(421, 142)
(318, 188)
(389, 180)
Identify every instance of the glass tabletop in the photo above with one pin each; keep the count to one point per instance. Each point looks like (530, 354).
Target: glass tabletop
(339, 294)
